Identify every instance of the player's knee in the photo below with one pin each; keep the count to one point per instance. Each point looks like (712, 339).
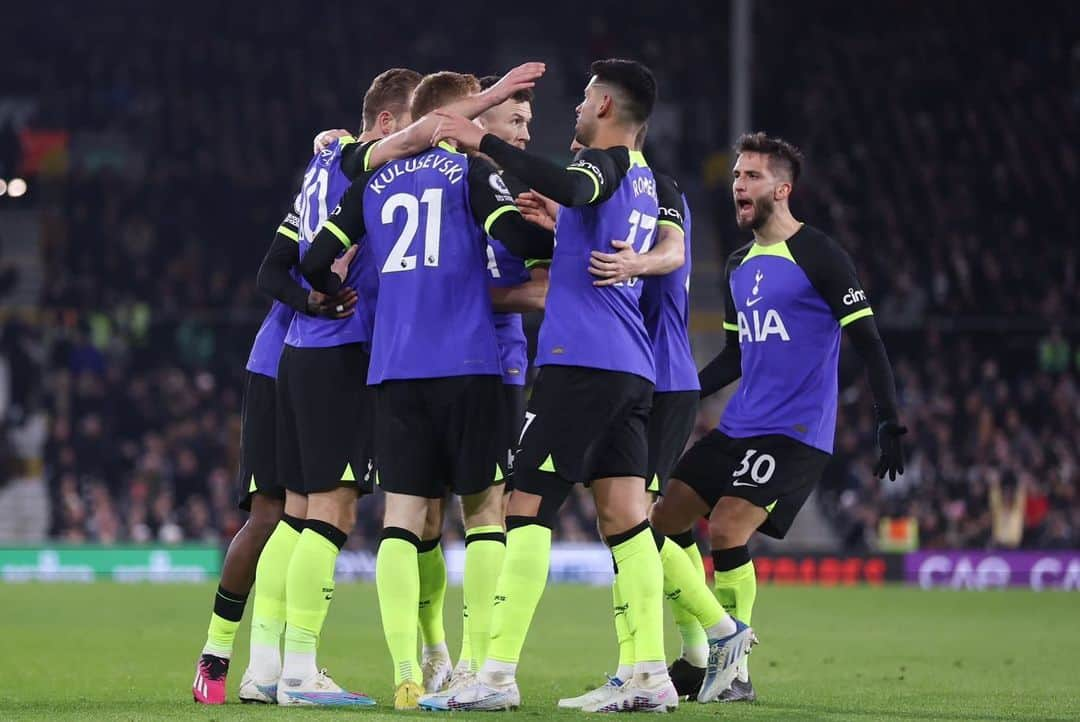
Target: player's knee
(266, 512)
(663, 520)
(731, 526)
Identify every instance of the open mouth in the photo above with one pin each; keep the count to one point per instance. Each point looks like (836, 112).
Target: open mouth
(744, 204)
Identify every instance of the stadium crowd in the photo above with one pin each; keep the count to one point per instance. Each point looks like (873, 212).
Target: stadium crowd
(966, 252)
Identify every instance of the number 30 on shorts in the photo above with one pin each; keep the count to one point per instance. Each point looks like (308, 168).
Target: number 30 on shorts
(761, 470)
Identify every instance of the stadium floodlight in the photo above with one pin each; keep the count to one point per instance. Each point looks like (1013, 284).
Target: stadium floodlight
(16, 188)
(3, 186)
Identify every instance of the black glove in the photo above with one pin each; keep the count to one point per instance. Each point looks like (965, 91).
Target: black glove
(891, 462)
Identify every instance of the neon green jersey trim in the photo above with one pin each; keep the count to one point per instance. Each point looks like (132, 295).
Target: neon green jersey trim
(449, 148)
(367, 155)
(548, 465)
(654, 485)
(251, 487)
(494, 215)
(730, 326)
(637, 158)
(861, 313)
(535, 262)
(780, 250)
(498, 475)
(673, 224)
(338, 233)
(770, 507)
(348, 474)
(592, 177)
(288, 232)
(346, 140)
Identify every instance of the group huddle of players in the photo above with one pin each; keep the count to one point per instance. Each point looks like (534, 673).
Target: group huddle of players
(394, 354)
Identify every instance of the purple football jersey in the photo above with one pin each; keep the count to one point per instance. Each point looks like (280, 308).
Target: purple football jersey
(322, 188)
(591, 326)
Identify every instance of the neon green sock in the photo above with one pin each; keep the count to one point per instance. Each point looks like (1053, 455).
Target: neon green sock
(518, 591)
(737, 589)
(693, 604)
(397, 578)
(641, 579)
(268, 606)
(308, 592)
(485, 550)
(623, 632)
(432, 568)
(219, 636)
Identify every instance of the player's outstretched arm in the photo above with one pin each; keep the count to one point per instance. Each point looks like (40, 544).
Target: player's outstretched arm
(589, 179)
(417, 137)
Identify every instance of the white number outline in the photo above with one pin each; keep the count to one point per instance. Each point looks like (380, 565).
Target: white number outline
(397, 260)
(316, 182)
(756, 475)
(638, 220)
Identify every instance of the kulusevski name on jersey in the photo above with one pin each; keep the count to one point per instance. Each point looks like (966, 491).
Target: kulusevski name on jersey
(322, 188)
(428, 234)
(586, 325)
(449, 167)
(665, 301)
(788, 302)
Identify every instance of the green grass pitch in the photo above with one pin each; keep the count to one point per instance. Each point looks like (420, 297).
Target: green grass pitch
(127, 652)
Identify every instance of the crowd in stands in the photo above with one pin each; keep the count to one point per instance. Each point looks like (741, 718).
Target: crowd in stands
(948, 181)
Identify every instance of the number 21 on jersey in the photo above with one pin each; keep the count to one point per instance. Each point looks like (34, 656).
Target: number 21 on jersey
(399, 258)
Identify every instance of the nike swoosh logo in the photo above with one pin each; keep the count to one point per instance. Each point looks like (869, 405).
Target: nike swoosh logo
(750, 303)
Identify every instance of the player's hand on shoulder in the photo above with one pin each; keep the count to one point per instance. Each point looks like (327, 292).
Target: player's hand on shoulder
(891, 461)
(612, 268)
(324, 139)
(537, 209)
(458, 128)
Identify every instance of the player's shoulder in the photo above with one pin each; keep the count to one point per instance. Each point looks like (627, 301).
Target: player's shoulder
(812, 247)
(483, 173)
(600, 159)
(736, 257)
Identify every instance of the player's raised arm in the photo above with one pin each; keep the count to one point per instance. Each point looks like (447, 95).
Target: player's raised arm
(417, 136)
(343, 228)
(591, 178)
(667, 254)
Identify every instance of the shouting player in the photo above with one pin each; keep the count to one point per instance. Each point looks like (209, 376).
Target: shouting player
(435, 362)
(790, 293)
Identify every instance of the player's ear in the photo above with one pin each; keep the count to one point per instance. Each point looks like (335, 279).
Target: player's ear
(782, 191)
(606, 106)
(387, 122)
